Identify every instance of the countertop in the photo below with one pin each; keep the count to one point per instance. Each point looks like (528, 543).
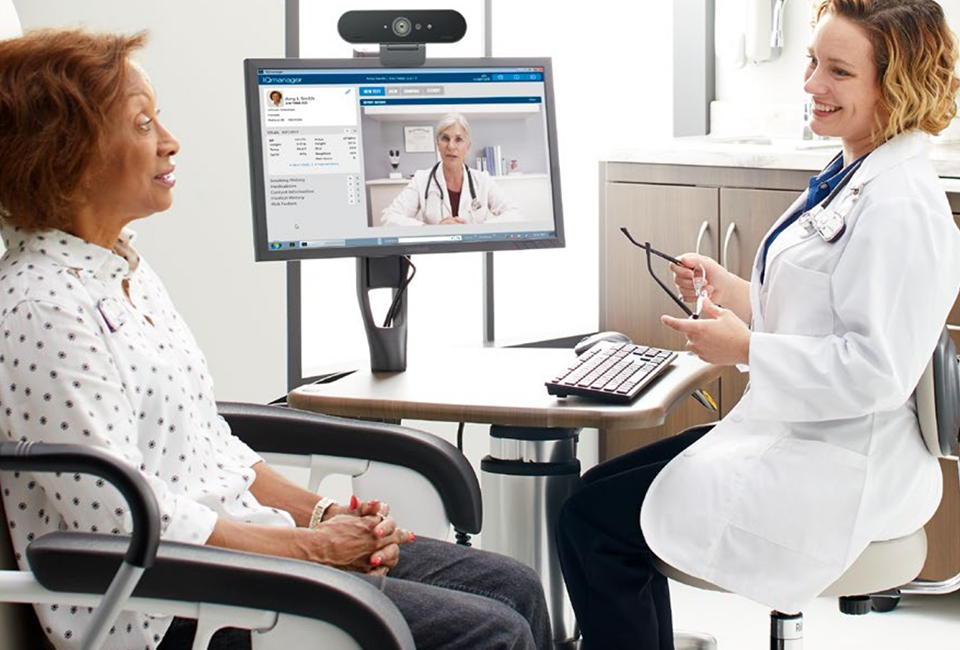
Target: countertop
(765, 153)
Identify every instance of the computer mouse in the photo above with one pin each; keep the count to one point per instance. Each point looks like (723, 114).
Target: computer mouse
(588, 342)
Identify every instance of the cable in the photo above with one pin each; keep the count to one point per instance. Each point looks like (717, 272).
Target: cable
(460, 437)
(398, 298)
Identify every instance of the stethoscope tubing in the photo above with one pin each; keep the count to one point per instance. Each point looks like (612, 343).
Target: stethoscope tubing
(433, 179)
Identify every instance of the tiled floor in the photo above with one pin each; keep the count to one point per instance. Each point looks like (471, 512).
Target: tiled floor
(918, 623)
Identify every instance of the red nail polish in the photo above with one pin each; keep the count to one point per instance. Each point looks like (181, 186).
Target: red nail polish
(375, 505)
(412, 536)
(378, 532)
(375, 561)
(354, 503)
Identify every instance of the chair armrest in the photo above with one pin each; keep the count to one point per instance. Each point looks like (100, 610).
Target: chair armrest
(144, 511)
(274, 429)
(86, 562)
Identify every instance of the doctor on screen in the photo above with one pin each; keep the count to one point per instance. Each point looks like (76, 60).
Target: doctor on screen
(450, 192)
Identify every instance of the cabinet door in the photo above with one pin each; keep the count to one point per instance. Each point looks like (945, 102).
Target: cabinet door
(670, 218)
(745, 218)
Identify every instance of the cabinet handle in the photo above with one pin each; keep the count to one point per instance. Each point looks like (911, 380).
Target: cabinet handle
(726, 245)
(704, 227)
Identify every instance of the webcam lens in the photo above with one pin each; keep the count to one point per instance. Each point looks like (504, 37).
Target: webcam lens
(401, 26)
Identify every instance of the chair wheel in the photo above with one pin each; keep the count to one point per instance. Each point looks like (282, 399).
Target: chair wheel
(855, 605)
(885, 601)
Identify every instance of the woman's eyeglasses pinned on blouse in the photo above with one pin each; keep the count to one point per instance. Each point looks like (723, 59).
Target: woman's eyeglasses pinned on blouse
(699, 283)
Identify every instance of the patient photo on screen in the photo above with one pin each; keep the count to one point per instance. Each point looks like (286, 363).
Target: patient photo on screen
(276, 98)
(455, 168)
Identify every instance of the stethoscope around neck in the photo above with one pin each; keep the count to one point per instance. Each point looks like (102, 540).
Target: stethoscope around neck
(474, 202)
(830, 224)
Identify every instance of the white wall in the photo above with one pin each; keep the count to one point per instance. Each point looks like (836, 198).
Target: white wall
(202, 247)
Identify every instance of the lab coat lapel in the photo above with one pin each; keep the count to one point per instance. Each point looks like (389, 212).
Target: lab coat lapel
(778, 246)
(893, 152)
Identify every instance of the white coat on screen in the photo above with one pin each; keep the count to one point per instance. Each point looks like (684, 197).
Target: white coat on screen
(425, 201)
(823, 453)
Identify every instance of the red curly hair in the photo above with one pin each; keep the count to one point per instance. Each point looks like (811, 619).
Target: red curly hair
(58, 89)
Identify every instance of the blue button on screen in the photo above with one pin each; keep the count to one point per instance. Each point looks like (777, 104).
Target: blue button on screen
(370, 91)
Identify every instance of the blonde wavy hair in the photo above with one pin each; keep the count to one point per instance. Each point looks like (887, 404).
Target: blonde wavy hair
(915, 53)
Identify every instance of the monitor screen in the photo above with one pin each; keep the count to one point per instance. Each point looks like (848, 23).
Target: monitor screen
(350, 158)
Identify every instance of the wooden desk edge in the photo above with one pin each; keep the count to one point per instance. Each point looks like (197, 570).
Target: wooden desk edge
(569, 412)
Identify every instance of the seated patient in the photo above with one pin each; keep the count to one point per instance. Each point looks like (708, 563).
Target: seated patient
(94, 352)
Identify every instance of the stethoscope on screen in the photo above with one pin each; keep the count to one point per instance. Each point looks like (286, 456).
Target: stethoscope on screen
(474, 201)
(830, 224)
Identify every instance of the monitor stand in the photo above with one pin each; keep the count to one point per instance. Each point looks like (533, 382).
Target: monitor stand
(388, 345)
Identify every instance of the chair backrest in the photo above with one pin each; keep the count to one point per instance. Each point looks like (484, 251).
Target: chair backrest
(19, 627)
(938, 398)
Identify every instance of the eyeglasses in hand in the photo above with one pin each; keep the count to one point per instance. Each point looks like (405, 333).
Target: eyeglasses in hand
(699, 283)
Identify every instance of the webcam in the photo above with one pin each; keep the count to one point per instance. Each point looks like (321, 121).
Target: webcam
(402, 26)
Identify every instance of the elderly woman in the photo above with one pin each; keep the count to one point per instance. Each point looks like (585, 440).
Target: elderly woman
(450, 192)
(94, 352)
(849, 293)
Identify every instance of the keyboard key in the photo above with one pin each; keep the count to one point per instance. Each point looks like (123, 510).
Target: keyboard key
(617, 372)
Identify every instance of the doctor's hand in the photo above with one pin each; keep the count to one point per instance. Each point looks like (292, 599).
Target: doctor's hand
(718, 278)
(451, 220)
(718, 336)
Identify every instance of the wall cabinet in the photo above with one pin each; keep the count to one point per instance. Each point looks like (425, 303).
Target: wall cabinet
(723, 212)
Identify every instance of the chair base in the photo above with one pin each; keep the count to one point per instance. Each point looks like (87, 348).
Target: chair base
(786, 631)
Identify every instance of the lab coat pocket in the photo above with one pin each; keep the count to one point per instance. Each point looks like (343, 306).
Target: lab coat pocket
(798, 301)
(804, 495)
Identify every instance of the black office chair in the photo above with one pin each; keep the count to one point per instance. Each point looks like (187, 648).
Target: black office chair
(885, 565)
(284, 601)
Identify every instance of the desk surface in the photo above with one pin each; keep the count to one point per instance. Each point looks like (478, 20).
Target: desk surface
(496, 386)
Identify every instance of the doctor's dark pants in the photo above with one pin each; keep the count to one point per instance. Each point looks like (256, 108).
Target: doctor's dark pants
(620, 599)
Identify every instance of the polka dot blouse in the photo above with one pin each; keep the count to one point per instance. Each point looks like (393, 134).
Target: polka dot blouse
(92, 351)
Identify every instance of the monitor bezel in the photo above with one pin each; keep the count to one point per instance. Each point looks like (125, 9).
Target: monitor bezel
(262, 251)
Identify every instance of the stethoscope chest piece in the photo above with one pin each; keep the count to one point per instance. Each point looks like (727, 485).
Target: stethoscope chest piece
(830, 224)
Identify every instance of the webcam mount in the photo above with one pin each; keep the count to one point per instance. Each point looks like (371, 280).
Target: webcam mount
(402, 34)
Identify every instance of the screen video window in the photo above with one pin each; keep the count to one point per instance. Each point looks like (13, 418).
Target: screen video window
(356, 157)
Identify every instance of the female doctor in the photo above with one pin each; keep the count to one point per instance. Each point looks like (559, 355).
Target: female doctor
(848, 295)
(450, 192)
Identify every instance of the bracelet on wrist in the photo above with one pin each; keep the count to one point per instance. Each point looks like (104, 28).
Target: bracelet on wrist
(318, 511)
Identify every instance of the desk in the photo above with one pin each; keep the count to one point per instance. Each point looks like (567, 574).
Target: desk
(533, 434)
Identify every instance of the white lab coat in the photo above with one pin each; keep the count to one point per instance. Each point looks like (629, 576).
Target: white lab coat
(410, 208)
(823, 453)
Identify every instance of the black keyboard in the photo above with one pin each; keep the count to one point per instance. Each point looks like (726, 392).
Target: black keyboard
(613, 372)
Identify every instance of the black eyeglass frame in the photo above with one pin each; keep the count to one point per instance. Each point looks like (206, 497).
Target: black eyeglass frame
(653, 251)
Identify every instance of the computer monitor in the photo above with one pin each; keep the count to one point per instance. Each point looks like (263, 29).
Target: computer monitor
(344, 157)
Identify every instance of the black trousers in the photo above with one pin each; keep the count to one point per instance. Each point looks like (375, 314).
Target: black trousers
(620, 599)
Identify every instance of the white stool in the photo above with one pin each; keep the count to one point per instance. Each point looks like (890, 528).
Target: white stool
(882, 565)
